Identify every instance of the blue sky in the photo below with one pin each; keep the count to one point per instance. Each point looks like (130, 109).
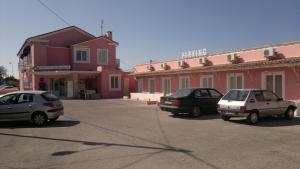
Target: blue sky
(154, 29)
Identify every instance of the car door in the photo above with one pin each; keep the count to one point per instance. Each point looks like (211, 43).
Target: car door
(202, 99)
(7, 104)
(215, 96)
(275, 105)
(272, 103)
(23, 106)
(260, 104)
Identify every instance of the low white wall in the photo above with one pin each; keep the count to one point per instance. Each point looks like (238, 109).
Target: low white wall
(146, 96)
(298, 108)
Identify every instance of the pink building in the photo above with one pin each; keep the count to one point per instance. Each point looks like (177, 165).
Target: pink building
(72, 63)
(274, 67)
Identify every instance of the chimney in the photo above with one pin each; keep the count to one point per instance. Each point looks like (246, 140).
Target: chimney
(109, 35)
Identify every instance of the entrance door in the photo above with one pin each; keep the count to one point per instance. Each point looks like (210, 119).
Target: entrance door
(70, 89)
(57, 86)
(274, 82)
(126, 87)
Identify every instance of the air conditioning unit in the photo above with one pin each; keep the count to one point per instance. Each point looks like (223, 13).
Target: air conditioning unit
(269, 52)
(203, 60)
(150, 67)
(164, 66)
(181, 63)
(231, 57)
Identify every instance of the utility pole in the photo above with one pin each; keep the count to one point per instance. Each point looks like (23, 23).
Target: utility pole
(12, 69)
(102, 22)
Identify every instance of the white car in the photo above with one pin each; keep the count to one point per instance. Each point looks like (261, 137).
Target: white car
(254, 103)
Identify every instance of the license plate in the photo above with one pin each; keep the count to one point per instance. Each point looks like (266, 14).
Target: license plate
(168, 102)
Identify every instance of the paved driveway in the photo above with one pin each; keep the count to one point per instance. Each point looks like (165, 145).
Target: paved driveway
(115, 134)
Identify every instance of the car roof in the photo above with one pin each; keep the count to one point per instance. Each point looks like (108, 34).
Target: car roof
(250, 89)
(194, 88)
(28, 91)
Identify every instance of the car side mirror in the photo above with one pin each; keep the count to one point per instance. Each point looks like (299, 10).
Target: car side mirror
(280, 99)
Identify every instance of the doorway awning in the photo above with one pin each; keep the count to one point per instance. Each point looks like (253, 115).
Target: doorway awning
(55, 73)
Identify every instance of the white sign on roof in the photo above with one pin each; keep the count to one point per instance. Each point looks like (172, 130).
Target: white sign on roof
(194, 53)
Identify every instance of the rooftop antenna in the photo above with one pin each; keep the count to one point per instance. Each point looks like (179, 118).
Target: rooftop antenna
(102, 22)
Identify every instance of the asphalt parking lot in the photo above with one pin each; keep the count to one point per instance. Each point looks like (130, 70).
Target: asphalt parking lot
(117, 134)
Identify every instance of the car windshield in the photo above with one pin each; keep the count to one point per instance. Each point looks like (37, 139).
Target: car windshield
(49, 97)
(236, 95)
(182, 92)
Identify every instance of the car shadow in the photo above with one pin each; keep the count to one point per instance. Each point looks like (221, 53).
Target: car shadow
(201, 117)
(26, 124)
(270, 122)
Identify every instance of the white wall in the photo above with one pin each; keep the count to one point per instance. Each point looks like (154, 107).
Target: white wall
(146, 96)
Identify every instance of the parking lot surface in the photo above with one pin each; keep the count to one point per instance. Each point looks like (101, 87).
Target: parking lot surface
(118, 134)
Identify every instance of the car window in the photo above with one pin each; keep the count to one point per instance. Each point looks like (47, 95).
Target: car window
(25, 98)
(236, 95)
(259, 96)
(269, 96)
(214, 93)
(201, 93)
(49, 97)
(204, 93)
(197, 94)
(182, 92)
(8, 99)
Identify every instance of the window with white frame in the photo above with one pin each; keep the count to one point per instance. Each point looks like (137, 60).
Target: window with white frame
(102, 56)
(151, 85)
(140, 85)
(166, 85)
(184, 82)
(235, 81)
(274, 81)
(114, 82)
(82, 55)
(207, 81)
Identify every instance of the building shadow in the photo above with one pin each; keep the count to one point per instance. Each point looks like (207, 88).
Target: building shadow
(205, 116)
(27, 124)
(270, 122)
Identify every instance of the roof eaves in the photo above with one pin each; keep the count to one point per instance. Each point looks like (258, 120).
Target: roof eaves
(52, 32)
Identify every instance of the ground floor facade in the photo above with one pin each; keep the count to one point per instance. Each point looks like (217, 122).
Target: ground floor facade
(284, 81)
(79, 84)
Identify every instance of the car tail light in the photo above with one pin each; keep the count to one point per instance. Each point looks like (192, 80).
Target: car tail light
(162, 100)
(49, 104)
(176, 102)
(243, 108)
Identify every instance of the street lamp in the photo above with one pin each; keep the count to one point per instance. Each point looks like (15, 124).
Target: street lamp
(12, 69)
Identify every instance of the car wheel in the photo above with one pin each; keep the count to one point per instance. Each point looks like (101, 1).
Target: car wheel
(196, 111)
(53, 120)
(289, 114)
(39, 119)
(252, 118)
(225, 118)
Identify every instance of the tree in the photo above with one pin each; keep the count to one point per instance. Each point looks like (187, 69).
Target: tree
(3, 73)
(11, 80)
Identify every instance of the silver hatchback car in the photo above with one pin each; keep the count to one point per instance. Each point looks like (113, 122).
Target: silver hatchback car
(254, 103)
(35, 106)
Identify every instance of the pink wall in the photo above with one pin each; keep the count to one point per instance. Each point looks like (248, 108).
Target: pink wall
(93, 45)
(58, 56)
(252, 79)
(104, 81)
(39, 55)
